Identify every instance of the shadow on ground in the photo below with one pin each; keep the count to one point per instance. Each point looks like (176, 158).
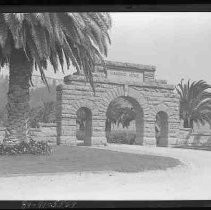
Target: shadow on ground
(81, 159)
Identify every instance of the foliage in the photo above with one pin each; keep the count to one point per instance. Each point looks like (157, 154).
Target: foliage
(195, 102)
(120, 111)
(82, 116)
(40, 99)
(31, 147)
(121, 137)
(126, 116)
(77, 38)
(80, 135)
(49, 112)
(45, 114)
(41, 94)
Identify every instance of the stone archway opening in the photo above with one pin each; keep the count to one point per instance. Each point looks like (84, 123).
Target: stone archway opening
(84, 126)
(161, 129)
(125, 115)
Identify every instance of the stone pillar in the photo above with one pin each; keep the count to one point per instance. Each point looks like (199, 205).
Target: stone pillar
(149, 133)
(139, 123)
(173, 133)
(98, 134)
(68, 133)
(66, 119)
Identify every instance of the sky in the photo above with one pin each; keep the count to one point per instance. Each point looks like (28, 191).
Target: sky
(178, 44)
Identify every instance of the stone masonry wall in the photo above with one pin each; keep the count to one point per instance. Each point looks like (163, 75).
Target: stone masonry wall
(188, 137)
(152, 98)
(47, 132)
(149, 76)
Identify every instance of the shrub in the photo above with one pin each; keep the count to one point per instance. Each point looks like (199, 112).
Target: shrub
(121, 137)
(80, 135)
(31, 147)
(45, 114)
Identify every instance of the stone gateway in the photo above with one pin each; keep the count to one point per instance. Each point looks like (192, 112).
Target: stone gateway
(155, 103)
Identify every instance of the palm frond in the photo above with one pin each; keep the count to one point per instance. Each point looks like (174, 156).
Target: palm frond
(78, 38)
(195, 101)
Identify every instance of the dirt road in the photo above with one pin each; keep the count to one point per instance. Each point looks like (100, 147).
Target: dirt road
(189, 181)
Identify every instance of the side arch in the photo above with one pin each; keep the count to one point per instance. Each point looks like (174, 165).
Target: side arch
(161, 108)
(66, 126)
(85, 126)
(161, 129)
(84, 103)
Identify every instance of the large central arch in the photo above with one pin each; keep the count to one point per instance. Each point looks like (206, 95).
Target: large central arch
(137, 100)
(139, 118)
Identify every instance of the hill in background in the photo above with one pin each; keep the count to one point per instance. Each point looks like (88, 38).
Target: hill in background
(39, 92)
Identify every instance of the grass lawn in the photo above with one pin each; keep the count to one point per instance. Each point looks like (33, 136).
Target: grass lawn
(80, 159)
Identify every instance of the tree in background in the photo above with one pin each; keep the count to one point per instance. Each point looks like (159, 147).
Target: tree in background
(45, 113)
(29, 40)
(127, 114)
(120, 111)
(195, 102)
(40, 95)
(81, 117)
(40, 98)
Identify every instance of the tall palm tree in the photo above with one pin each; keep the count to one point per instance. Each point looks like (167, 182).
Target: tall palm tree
(29, 40)
(195, 102)
(120, 111)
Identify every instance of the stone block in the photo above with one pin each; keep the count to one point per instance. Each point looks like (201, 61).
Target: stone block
(68, 140)
(99, 140)
(98, 123)
(172, 141)
(99, 134)
(149, 141)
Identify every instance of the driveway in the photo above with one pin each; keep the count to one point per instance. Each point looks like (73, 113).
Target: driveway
(190, 181)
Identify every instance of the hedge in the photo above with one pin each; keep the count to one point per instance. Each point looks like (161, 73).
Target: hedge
(121, 137)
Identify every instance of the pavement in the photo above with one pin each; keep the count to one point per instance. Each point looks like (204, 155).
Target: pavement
(189, 181)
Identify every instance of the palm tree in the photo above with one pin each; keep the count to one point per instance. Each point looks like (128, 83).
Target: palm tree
(195, 103)
(120, 111)
(127, 115)
(29, 40)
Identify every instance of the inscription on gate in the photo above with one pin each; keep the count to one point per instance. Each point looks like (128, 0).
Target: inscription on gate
(125, 76)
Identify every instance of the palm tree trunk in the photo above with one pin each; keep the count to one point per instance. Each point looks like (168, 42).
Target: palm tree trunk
(20, 72)
(188, 123)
